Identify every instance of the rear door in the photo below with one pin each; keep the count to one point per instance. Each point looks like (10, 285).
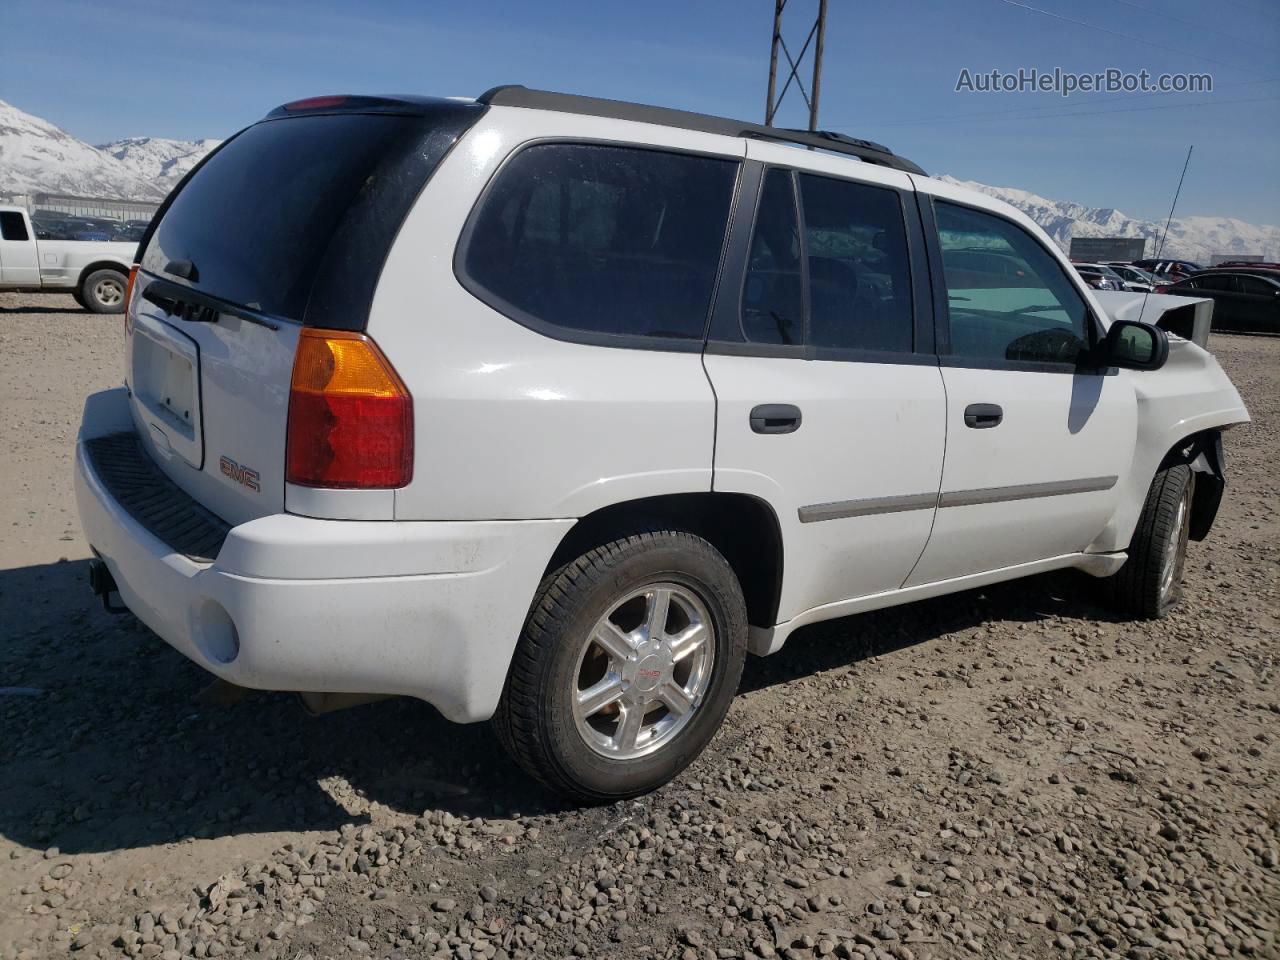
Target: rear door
(829, 400)
(286, 224)
(1224, 289)
(1037, 440)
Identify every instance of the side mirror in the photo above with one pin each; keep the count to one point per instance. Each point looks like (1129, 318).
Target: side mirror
(1136, 346)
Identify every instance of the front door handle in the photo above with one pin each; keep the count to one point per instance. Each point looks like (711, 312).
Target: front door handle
(980, 416)
(775, 418)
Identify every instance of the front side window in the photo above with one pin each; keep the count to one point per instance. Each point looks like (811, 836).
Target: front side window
(772, 294)
(1008, 297)
(859, 270)
(602, 240)
(12, 226)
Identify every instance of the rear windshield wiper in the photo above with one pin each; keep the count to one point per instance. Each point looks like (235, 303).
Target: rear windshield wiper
(194, 307)
(186, 269)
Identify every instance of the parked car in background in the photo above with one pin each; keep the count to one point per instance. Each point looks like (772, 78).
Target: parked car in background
(88, 265)
(1247, 265)
(1100, 277)
(1241, 301)
(1257, 269)
(1172, 268)
(817, 382)
(987, 268)
(1135, 278)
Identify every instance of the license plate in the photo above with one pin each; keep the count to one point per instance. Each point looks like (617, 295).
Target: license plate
(165, 383)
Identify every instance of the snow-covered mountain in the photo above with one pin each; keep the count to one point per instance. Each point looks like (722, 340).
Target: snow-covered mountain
(1190, 238)
(36, 156)
(157, 159)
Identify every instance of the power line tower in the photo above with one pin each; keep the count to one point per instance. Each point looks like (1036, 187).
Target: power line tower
(819, 30)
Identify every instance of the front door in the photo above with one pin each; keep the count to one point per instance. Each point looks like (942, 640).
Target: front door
(1036, 441)
(829, 407)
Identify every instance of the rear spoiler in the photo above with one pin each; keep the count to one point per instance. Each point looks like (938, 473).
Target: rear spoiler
(1188, 318)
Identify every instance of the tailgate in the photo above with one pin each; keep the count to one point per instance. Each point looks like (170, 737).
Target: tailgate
(210, 402)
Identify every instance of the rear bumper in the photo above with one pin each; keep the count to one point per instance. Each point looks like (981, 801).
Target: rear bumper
(423, 609)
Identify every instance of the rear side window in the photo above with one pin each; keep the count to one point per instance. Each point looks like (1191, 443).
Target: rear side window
(859, 270)
(294, 217)
(1007, 297)
(602, 240)
(1255, 286)
(12, 226)
(772, 294)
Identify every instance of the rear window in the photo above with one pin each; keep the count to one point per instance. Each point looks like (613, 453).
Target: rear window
(286, 205)
(584, 239)
(859, 270)
(12, 226)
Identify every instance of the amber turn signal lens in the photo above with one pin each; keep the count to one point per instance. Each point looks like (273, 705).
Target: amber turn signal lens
(128, 294)
(350, 415)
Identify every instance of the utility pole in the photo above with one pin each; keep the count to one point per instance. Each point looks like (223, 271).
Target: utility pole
(817, 30)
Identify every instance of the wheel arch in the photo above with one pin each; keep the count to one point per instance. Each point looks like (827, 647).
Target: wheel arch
(91, 269)
(1202, 452)
(743, 528)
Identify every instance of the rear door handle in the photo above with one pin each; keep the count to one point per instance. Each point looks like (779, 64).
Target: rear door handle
(775, 418)
(980, 416)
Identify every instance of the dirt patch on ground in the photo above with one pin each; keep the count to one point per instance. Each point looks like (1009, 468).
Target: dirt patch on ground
(1007, 772)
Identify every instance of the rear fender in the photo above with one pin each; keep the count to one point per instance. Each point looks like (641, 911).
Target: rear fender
(120, 266)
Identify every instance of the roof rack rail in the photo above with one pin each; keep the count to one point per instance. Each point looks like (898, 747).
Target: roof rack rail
(514, 95)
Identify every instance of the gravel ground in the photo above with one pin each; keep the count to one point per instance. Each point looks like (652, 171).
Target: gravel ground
(1007, 772)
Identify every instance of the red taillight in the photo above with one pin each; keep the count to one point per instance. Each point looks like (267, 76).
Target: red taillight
(128, 294)
(350, 415)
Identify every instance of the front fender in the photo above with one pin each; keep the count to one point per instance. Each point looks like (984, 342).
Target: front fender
(1190, 395)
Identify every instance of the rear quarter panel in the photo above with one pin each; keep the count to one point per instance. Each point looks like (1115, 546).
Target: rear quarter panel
(509, 423)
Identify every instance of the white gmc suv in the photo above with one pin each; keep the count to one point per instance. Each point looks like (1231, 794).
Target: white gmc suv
(548, 409)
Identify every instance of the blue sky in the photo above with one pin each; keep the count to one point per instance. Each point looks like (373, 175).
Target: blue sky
(188, 70)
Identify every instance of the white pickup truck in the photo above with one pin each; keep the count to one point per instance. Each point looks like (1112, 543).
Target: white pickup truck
(94, 272)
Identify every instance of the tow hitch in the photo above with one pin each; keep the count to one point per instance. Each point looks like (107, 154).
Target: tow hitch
(104, 585)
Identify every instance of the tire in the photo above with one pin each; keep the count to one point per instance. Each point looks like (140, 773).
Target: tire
(1149, 584)
(103, 291)
(79, 298)
(632, 738)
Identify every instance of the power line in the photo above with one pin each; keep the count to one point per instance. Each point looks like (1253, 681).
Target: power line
(1252, 9)
(1125, 36)
(1082, 113)
(1196, 26)
(1031, 111)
